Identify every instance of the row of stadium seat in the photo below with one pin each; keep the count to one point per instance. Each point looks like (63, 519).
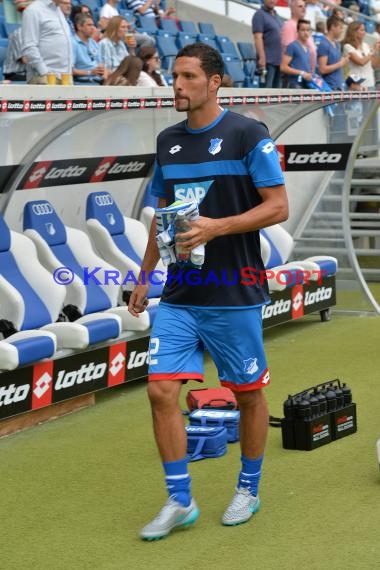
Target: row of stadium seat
(43, 279)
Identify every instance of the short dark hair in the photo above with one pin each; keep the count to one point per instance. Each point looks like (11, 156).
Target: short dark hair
(302, 21)
(210, 58)
(333, 20)
(81, 18)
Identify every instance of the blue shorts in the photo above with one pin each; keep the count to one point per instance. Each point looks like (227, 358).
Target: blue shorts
(233, 337)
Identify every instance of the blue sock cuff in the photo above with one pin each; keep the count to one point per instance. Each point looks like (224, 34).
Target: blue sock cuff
(251, 465)
(176, 467)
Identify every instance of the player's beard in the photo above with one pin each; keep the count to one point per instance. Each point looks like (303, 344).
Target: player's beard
(182, 104)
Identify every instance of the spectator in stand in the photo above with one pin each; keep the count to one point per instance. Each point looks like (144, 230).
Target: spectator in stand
(14, 68)
(87, 66)
(135, 39)
(66, 8)
(362, 58)
(376, 33)
(374, 8)
(330, 60)
(289, 30)
(46, 42)
(127, 73)
(112, 47)
(296, 59)
(109, 10)
(314, 12)
(149, 8)
(150, 75)
(78, 9)
(266, 28)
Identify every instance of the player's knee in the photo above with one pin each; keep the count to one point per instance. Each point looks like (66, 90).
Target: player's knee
(250, 398)
(162, 393)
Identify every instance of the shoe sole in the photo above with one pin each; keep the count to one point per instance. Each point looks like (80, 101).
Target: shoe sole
(236, 523)
(189, 521)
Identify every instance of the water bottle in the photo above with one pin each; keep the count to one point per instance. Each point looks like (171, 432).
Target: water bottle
(322, 402)
(339, 398)
(303, 408)
(289, 407)
(315, 408)
(181, 225)
(331, 400)
(263, 75)
(347, 394)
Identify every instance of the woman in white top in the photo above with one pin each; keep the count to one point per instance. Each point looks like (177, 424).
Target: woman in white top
(150, 75)
(362, 58)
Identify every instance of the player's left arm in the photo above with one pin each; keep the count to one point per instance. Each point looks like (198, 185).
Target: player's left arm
(263, 165)
(272, 210)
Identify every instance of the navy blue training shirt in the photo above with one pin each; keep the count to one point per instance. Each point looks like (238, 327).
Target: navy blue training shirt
(220, 166)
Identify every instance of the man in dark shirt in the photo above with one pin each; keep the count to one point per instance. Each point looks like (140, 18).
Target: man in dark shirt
(266, 28)
(229, 163)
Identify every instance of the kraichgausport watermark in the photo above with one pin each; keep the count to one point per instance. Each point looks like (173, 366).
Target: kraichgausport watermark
(248, 276)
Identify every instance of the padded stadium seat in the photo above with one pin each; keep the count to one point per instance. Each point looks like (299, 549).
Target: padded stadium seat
(209, 40)
(184, 39)
(276, 247)
(21, 307)
(146, 216)
(168, 25)
(90, 288)
(208, 29)
(227, 46)
(146, 24)
(233, 68)
(247, 51)
(281, 245)
(168, 50)
(119, 239)
(30, 299)
(3, 28)
(188, 27)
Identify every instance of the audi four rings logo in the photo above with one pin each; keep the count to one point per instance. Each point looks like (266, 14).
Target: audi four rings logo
(42, 209)
(104, 200)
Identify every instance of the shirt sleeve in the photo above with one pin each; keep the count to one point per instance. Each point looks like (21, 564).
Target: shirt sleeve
(258, 23)
(322, 49)
(264, 165)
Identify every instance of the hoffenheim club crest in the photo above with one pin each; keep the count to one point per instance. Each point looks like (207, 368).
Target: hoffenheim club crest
(215, 146)
(250, 365)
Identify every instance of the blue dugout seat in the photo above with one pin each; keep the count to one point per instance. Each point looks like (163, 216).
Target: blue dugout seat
(90, 288)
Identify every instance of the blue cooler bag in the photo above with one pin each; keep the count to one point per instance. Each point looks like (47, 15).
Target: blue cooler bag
(204, 442)
(226, 418)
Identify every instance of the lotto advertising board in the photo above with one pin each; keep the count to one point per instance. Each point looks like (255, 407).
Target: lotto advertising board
(53, 381)
(299, 300)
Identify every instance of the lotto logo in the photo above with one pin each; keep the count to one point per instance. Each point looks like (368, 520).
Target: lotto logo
(117, 364)
(42, 390)
(42, 385)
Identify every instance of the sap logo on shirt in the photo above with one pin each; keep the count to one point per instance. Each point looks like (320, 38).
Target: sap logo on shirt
(192, 191)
